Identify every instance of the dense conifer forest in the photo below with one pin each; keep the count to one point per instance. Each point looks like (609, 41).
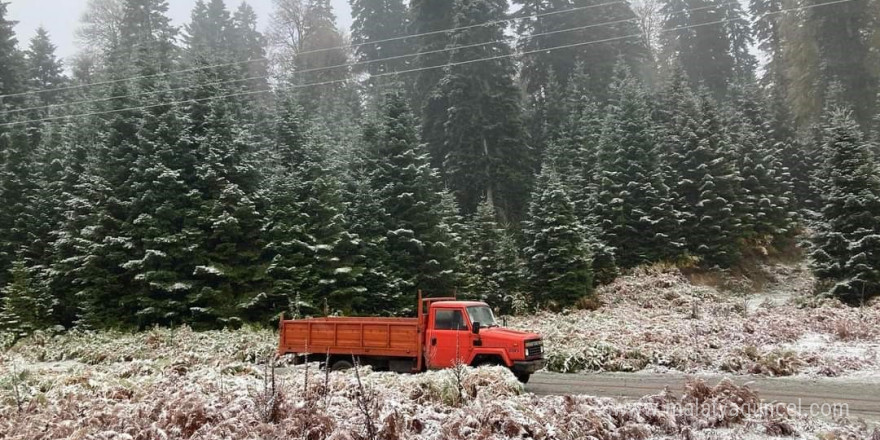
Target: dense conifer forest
(520, 152)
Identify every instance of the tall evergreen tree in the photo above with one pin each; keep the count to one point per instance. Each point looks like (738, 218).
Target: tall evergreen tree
(249, 48)
(637, 217)
(429, 17)
(374, 23)
(45, 70)
(483, 262)
(703, 177)
(146, 39)
(580, 24)
(556, 255)
(483, 148)
(846, 244)
(26, 305)
(11, 59)
(840, 33)
(313, 255)
(767, 204)
(417, 241)
(711, 55)
(17, 187)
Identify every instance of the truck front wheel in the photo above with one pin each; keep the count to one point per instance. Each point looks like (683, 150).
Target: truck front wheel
(523, 377)
(341, 366)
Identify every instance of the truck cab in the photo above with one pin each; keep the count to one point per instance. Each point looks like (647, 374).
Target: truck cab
(445, 333)
(466, 332)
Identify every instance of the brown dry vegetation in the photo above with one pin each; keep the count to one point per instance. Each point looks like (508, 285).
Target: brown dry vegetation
(658, 318)
(152, 399)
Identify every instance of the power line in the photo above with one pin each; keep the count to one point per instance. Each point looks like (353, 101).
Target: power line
(458, 63)
(359, 63)
(347, 46)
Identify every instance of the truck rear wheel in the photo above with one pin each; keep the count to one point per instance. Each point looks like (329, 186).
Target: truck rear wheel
(523, 377)
(341, 366)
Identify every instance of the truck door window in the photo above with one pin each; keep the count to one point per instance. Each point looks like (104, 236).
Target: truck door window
(449, 320)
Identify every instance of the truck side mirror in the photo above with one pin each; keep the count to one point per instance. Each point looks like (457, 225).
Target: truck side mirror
(476, 328)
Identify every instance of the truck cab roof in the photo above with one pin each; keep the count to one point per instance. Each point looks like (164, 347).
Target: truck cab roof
(451, 304)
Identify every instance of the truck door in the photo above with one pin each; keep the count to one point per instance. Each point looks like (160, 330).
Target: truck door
(449, 338)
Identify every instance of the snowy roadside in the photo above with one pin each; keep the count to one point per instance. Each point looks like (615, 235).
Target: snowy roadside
(153, 398)
(656, 321)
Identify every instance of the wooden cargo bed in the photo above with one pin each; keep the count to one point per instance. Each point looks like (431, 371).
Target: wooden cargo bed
(392, 337)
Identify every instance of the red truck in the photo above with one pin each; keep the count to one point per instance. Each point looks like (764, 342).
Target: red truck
(446, 332)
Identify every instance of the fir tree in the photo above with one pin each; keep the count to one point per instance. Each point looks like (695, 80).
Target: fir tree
(706, 53)
(556, 255)
(429, 17)
(579, 24)
(417, 241)
(164, 231)
(313, 255)
(45, 70)
(249, 48)
(26, 304)
(12, 66)
(483, 149)
(374, 23)
(17, 187)
(482, 263)
(633, 204)
(846, 244)
(226, 180)
(702, 174)
(384, 290)
(766, 188)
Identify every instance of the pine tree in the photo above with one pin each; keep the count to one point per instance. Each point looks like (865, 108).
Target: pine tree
(12, 65)
(417, 241)
(707, 53)
(580, 24)
(429, 17)
(844, 53)
(374, 23)
(633, 204)
(26, 305)
(766, 188)
(249, 48)
(45, 70)
(482, 264)
(558, 262)
(846, 244)
(313, 256)
(702, 174)
(17, 187)
(226, 180)
(483, 149)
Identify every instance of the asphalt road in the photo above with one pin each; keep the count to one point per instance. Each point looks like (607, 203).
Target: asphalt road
(862, 398)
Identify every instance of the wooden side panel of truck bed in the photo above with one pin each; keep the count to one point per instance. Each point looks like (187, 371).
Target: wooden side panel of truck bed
(396, 337)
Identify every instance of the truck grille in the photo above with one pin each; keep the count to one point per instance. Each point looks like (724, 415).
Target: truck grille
(534, 349)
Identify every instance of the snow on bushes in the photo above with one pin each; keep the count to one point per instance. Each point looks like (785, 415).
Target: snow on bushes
(655, 318)
(179, 384)
(151, 399)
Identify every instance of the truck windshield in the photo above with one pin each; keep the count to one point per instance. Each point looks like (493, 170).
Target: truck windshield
(483, 315)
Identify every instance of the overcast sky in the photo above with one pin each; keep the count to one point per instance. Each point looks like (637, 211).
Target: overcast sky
(61, 17)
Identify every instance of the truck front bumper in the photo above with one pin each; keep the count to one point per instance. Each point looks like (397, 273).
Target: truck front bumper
(527, 367)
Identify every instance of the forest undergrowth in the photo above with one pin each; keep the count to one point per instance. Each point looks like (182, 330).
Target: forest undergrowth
(658, 318)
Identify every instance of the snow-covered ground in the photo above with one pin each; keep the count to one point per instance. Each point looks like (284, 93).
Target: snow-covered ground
(182, 394)
(656, 320)
(179, 383)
